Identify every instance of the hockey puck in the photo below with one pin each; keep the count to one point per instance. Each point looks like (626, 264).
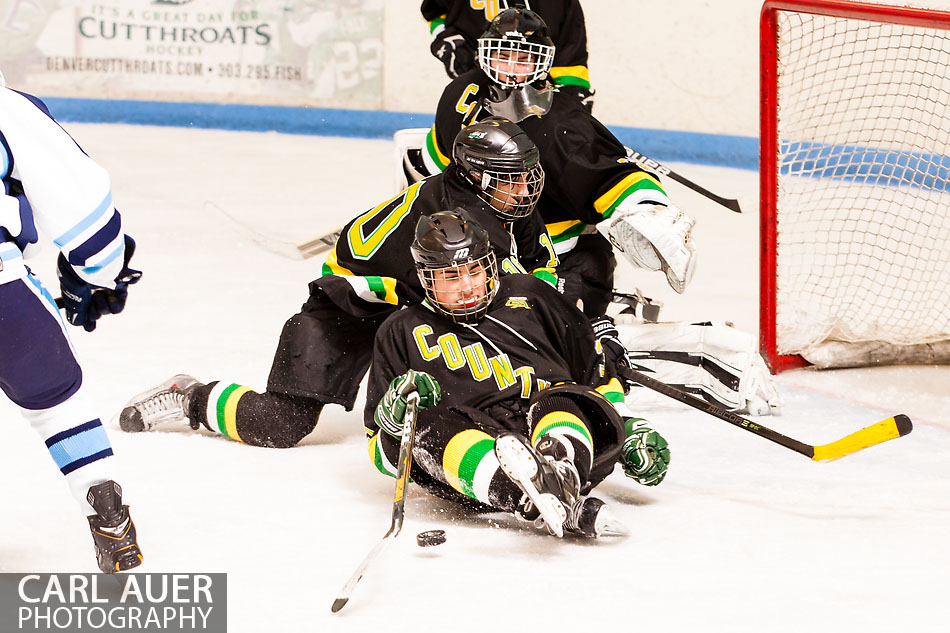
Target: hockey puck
(430, 538)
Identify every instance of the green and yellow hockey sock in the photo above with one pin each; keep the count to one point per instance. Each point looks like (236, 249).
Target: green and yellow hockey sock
(470, 467)
(270, 419)
(561, 419)
(221, 409)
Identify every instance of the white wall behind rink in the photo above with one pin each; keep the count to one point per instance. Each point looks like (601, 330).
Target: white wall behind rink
(678, 65)
(688, 65)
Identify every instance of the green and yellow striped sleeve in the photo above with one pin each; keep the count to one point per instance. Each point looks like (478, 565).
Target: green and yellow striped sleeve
(545, 274)
(613, 391)
(377, 455)
(637, 186)
(436, 25)
(563, 231)
(433, 157)
(571, 76)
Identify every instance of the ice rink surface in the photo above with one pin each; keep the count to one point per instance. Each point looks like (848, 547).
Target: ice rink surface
(743, 535)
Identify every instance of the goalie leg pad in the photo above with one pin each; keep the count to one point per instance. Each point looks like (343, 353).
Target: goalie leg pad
(715, 360)
(408, 144)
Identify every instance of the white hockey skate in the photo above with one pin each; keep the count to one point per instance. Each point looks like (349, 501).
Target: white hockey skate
(551, 487)
(162, 404)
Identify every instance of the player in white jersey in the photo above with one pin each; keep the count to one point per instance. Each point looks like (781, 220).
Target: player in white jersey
(51, 185)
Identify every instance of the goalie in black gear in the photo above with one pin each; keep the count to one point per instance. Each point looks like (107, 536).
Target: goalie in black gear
(324, 350)
(456, 25)
(518, 412)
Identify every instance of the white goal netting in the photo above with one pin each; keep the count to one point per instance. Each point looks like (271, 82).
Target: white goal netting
(863, 211)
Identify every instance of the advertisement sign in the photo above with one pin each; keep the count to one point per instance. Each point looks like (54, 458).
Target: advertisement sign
(289, 52)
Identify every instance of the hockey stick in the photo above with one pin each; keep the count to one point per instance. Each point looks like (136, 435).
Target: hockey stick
(403, 466)
(266, 242)
(648, 163)
(320, 244)
(889, 429)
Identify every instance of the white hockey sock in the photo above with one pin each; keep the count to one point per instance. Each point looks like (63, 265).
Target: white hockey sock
(78, 443)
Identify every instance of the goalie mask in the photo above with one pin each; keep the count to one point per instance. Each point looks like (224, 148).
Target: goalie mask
(503, 164)
(516, 50)
(456, 265)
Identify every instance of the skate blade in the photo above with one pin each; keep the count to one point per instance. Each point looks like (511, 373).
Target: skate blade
(131, 421)
(607, 524)
(520, 466)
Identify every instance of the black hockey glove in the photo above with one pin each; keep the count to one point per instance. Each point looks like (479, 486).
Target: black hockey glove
(609, 338)
(452, 49)
(85, 303)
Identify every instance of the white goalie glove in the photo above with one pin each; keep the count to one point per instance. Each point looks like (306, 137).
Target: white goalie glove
(712, 360)
(655, 237)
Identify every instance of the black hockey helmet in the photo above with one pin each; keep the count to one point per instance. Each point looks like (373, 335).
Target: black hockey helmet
(516, 50)
(499, 159)
(456, 265)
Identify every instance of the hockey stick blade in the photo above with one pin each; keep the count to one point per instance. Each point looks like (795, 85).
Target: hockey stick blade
(403, 466)
(730, 203)
(318, 245)
(889, 429)
(653, 165)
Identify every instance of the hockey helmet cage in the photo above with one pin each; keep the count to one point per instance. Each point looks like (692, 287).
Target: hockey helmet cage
(516, 50)
(503, 164)
(456, 265)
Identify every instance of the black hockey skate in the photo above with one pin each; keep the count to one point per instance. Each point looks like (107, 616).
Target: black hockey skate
(167, 402)
(113, 531)
(549, 481)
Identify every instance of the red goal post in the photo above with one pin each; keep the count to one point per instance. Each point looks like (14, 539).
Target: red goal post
(854, 183)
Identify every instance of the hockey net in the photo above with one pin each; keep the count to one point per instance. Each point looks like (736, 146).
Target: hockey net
(855, 184)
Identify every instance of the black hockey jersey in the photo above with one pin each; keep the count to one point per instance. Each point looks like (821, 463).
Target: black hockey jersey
(587, 172)
(565, 20)
(531, 338)
(371, 271)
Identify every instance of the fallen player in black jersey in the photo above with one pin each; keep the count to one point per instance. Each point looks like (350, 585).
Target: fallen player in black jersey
(519, 412)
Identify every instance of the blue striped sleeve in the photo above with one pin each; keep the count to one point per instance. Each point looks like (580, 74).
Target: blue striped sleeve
(100, 240)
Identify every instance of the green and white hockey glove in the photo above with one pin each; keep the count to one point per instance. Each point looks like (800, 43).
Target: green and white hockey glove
(392, 406)
(645, 455)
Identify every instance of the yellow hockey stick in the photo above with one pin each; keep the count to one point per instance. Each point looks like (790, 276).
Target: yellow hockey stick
(889, 429)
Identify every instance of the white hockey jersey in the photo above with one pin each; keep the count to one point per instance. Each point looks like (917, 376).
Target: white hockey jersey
(50, 184)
